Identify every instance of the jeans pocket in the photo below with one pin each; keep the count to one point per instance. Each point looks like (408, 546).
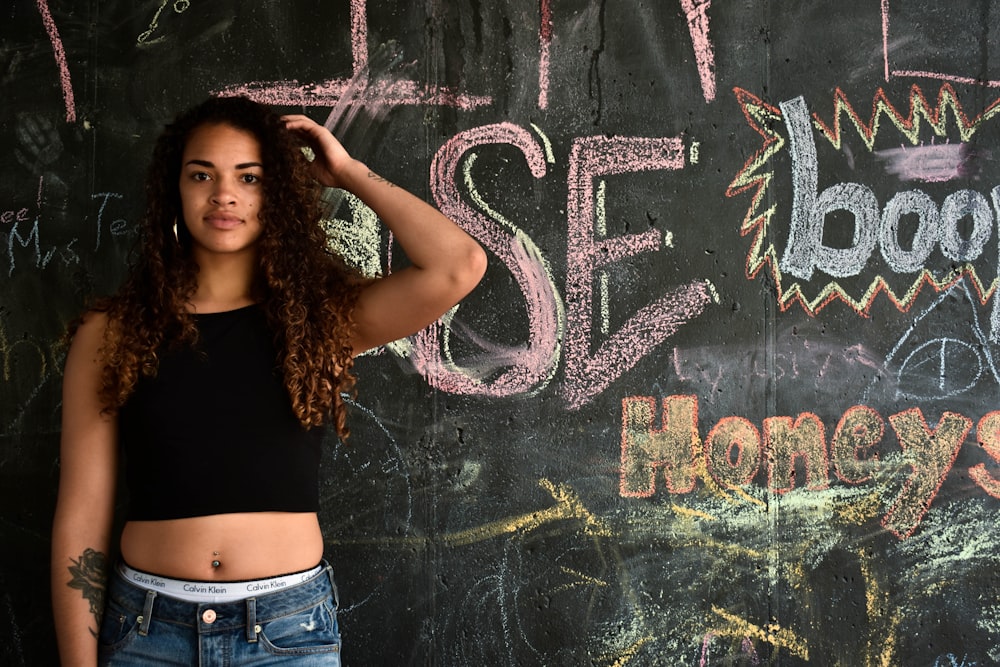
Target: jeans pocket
(119, 627)
(308, 632)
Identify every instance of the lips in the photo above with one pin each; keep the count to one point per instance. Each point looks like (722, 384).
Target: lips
(223, 220)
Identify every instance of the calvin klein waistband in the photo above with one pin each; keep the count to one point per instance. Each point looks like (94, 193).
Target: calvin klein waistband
(213, 591)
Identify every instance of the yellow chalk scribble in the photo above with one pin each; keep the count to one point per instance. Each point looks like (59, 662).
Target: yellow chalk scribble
(684, 511)
(771, 633)
(581, 580)
(631, 651)
(877, 606)
(568, 506)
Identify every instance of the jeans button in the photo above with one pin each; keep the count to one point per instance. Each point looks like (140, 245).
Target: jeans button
(208, 616)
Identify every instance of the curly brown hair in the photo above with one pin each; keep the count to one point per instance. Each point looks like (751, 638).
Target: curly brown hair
(307, 292)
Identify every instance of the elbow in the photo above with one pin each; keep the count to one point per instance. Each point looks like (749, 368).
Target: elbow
(473, 267)
(477, 263)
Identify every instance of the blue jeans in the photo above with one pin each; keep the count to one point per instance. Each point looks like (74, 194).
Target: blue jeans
(294, 626)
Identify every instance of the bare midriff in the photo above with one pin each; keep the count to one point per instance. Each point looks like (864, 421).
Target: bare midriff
(224, 547)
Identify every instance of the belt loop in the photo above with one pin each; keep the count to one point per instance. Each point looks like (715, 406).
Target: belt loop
(147, 613)
(252, 627)
(333, 586)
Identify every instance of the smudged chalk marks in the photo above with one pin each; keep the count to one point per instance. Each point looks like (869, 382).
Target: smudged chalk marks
(923, 74)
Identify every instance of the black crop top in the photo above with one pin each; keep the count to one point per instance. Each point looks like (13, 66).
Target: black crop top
(213, 432)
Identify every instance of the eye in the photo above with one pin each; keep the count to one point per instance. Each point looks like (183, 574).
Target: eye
(200, 176)
(250, 178)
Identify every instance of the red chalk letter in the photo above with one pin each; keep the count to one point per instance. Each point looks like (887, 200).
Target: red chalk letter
(860, 429)
(732, 452)
(786, 442)
(988, 434)
(931, 455)
(675, 447)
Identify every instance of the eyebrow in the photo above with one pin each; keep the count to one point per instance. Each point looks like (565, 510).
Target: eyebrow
(206, 163)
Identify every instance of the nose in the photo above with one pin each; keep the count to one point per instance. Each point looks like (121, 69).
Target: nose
(223, 193)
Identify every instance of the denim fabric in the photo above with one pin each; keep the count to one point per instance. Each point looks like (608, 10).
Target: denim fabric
(294, 626)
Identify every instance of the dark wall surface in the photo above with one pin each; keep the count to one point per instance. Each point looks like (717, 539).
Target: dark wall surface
(728, 392)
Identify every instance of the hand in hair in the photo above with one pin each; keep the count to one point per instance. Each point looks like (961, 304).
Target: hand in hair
(331, 158)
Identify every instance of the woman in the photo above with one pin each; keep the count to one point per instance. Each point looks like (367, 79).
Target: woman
(212, 371)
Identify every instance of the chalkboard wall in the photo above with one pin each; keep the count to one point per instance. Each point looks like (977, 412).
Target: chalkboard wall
(728, 392)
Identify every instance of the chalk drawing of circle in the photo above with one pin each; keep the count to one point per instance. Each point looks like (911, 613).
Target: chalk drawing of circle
(940, 368)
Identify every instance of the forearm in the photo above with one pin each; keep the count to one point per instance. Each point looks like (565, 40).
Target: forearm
(79, 584)
(428, 237)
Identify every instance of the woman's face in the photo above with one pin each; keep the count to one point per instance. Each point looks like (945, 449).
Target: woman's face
(221, 189)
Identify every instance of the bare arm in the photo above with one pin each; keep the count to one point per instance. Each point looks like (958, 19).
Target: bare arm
(446, 263)
(81, 531)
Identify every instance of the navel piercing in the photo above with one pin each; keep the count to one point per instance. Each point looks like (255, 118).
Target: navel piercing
(215, 563)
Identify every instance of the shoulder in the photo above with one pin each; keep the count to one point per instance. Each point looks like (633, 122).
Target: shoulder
(90, 328)
(87, 336)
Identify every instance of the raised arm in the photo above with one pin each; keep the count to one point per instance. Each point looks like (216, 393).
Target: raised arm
(81, 532)
(446, 263)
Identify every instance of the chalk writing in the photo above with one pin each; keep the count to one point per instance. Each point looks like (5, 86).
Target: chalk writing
(806, 251)
(521, 370)
(530, 368)
(734, 451)
(117, 227)
(23, 233)
(590, 159)
(403, 92)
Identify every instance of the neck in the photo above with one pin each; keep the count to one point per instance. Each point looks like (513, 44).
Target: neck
(224, 282)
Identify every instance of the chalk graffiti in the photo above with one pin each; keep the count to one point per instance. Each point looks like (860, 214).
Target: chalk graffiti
(179, 7)
(507, 370)
(696, 12)
(735, 451)
(19, 238)
(806, 252)
(383, 91)
(60, 55)
(22, 233)
(889, 70)
(26, 364)
(544, 48)
(407, 92)
(939, 228)
(952, 660)
(530, 367)
(592, 158)
(941, 366)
